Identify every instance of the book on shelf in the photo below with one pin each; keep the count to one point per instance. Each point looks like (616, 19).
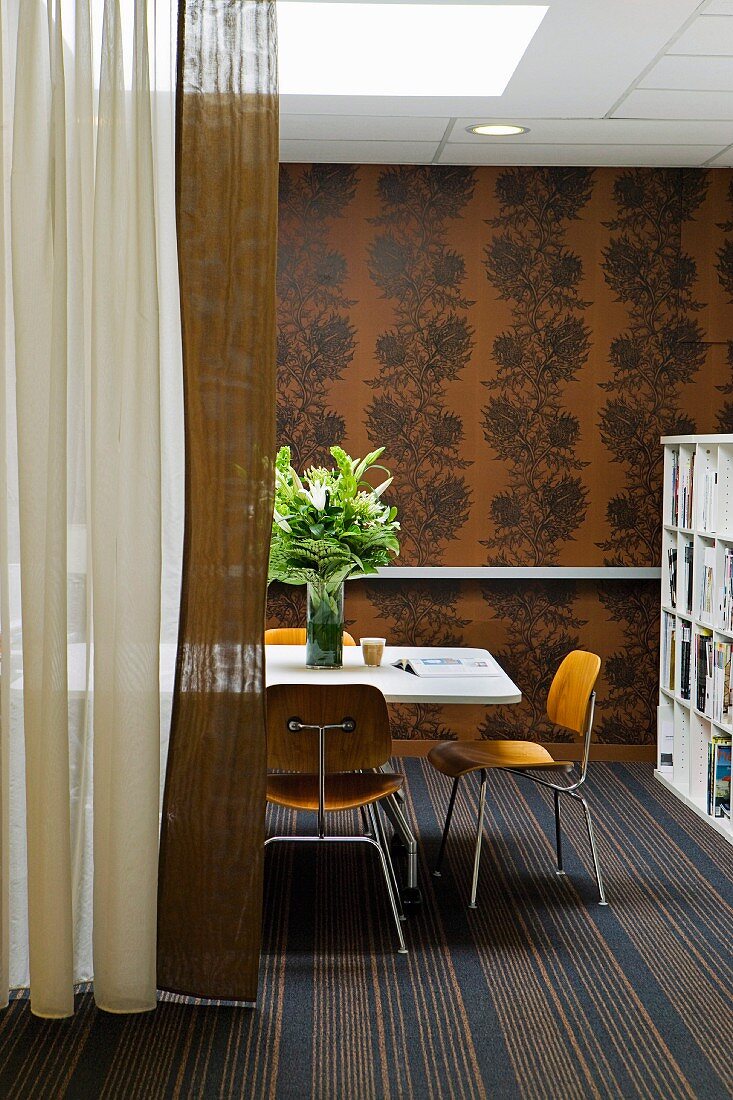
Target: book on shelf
(726, 590)
(708, 496)
(672, 572)
(449, 666)
(665, 725)
(685, 662)
(721, 682)
(674, 487)
(718, 784)
(668, 640)
(704, 666)
(707, 573)
(686, 480)
(689, 559)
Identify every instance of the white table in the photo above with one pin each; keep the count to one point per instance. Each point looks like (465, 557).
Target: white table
(285, 664)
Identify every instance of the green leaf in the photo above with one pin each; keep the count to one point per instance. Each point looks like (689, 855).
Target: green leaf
(365, 463)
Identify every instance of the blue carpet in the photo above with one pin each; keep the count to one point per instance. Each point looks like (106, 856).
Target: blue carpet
(539, 993)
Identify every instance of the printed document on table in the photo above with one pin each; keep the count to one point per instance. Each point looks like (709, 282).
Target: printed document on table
(451, 666)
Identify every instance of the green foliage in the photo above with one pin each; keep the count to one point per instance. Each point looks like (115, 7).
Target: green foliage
(330, 525)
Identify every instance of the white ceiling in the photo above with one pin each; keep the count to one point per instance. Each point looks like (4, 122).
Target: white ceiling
(617, 82)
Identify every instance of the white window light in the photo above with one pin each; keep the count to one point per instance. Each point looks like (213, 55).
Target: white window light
(396, 49)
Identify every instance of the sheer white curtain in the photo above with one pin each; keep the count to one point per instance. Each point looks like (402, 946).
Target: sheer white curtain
(91, 486)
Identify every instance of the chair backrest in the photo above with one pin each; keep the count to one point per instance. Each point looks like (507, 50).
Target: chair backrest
(569, 698)
(368, 746)
(294, 635)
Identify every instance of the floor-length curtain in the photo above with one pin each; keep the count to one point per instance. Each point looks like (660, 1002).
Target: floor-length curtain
(4, 543)
(210, 895)
(90, 388)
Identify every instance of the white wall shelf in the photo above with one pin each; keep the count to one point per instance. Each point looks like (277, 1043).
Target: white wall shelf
(518, 572)
(698, 489)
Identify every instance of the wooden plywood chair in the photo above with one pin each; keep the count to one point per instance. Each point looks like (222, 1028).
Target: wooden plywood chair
(294, 635)
(324, 742)
(570, 704)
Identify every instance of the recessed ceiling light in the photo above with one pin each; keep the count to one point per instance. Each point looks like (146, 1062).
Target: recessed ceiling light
(401, 49)
(490, 129)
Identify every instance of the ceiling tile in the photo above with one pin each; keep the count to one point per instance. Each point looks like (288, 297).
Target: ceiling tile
(361, 128)
(714, 74)
(599, 131)
(708, 34)
(620, 155)
(643, 103)
(719, 7)
(357, 152)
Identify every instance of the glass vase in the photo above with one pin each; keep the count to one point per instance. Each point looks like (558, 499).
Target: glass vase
(324, 626)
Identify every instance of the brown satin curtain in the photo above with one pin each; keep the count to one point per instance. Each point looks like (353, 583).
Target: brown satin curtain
(210, 884)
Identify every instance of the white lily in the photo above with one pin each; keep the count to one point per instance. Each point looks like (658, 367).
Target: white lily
(385, 485)
(317, 496)
(281, 521)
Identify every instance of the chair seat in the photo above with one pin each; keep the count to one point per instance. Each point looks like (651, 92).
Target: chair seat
(344, 790)
(456, 758)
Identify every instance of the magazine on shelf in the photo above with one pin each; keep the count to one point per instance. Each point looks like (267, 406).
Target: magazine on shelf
(685, 662)
(672, 569)
(726, 590)
(704, 667)
(721, 683)
(708, 502)
(685, 483)
(668, 651)
(674, 487)
(706, 585)
(718, 791)
(449, 666)
(689, 558)
(665, 723)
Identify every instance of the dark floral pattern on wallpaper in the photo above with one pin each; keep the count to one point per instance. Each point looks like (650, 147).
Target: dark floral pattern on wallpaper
(419, 614)
(626, 710)
(544, 628)
(724, 266)
(285, 605)
(526, 423)
(428, 346)
(315, 342)
(660, 350)
(531, 430)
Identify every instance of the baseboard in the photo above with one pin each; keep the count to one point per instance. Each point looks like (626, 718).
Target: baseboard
(559, 750)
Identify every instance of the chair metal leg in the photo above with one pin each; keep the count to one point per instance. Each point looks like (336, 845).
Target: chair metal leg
(479, 835)
(380, 836)
(558, 833)
(446, 827)
(393, 811)
(352, 840)
(402, 949)
(594, 851)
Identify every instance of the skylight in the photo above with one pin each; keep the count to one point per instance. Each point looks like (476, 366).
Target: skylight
(383, 49)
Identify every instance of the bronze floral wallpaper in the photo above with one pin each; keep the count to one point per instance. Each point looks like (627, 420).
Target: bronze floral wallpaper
(518, 339)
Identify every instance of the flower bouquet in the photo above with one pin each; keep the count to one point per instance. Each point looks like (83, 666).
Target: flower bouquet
(328, 527)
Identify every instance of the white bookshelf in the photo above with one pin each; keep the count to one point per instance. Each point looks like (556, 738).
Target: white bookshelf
(704, 526)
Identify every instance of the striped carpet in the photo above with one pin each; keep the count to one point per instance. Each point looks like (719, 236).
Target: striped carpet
(540, 993)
